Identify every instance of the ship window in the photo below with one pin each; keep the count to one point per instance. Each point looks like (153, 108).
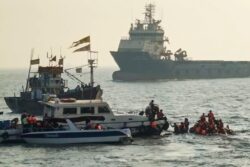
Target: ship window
(103, 110)
(87, 110)
(69, 111)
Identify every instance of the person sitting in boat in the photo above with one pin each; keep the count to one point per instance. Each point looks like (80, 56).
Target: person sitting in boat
(89, 124)
(211, 127)
(228, 130)
(160, 114)
(98, 126)
(182, 127)
(186, 124)
(220, 127)
(203, 117)
(176, 128)
(14, 122)
(141, 113)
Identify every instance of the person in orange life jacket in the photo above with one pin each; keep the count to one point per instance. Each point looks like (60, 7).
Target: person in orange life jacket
(98, 127)
(203, 118)
(211, 115)
(153, 124)
(211, 127)
(34, 120)
(29, 120)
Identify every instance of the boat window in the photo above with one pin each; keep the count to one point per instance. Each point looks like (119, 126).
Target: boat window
(103, 109)
(49, 108)
(87, 110)
(69, 111)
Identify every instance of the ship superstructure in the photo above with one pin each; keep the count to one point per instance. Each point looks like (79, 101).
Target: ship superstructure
(144, 56)
(47, 81)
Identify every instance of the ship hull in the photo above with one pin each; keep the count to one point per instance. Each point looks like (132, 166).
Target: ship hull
(140, 66)
(20, 105)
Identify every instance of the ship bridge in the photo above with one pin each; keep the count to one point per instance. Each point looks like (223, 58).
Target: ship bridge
(145, 36)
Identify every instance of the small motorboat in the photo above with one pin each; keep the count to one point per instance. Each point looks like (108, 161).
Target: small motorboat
(98, 111)
(74, 135)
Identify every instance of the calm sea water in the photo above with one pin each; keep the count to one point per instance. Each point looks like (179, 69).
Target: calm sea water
(228, 98)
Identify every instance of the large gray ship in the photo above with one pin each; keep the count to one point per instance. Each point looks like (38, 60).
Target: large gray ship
(144, 56)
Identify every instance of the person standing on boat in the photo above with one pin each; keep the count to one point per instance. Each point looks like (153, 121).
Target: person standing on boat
(186, 125)
(151, 104)
(211, 116)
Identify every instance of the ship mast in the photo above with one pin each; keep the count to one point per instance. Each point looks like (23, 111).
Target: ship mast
(150, 9)
(27, 82)
(92, 65)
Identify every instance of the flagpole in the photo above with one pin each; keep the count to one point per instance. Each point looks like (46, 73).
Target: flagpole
(27, 82)
(91, 62)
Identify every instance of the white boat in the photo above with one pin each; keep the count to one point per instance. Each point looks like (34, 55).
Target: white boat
(99, 111)
(9, 133)
(74, 135)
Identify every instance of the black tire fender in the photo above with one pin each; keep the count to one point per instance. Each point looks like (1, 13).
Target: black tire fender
(165, 126)
(5, 135)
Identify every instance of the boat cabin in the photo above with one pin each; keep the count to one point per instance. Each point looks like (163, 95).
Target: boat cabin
(71, 108)
(80, 110)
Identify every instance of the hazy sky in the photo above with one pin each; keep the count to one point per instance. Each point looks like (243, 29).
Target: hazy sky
(207, 29)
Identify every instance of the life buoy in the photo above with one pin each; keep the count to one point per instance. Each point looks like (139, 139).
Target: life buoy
(68, 100)
(153, 124)
(5, 135)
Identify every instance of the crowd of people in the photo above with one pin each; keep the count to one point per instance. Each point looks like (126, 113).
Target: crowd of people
(183, 127)
(207, 125)
(153, 112)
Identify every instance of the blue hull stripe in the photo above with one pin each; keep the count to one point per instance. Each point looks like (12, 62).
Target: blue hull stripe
(73, 134)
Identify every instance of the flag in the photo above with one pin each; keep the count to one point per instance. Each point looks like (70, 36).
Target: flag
(35, 61)
(81, 41)
(78, 70)
(53, 59)
(60, 61)
(85, 48)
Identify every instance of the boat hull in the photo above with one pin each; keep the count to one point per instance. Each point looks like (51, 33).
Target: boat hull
(21, 105)
(11, 135)
(141, 66)
(83, 137)
(137, 128)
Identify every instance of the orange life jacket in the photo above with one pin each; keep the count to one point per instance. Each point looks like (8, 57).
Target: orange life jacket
(153, 124)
